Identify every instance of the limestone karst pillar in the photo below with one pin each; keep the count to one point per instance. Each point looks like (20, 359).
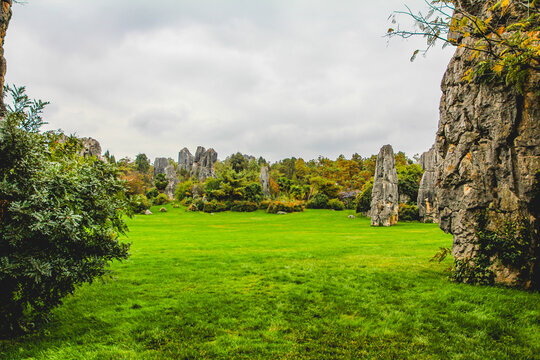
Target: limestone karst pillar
(384, 196)
(489, 143)
(427, 193)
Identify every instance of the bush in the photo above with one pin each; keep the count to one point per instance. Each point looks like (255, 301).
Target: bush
(138, 204)
(288, 207)
(363, 201)
(214, 207)
(199, 203)
(408, 212)
(263, 205)
(152, 193)
(192, 207)
(161, 182)
(184, 190)
(60, 218)
(318, 201)
(335, 204)
(161, 199)
(244, 206)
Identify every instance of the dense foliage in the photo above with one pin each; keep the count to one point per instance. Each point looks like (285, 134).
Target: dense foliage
(503, 37)
(60, 217)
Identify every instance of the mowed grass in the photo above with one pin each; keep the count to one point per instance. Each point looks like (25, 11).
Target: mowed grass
(312, 285)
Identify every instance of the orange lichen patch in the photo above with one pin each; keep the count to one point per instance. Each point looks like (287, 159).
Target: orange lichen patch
(466, 189)
(469, 156)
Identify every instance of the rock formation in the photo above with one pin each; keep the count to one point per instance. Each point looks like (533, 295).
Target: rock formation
(185, 160)
(264, 178)
(489, 143)
(160, 164)
(427, 193)
(203, 163)
(91, 147)
(5, 16)
(163, 166)
(170, 174)
(384, 196)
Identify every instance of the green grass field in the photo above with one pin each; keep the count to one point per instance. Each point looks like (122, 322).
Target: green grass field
(313, 285)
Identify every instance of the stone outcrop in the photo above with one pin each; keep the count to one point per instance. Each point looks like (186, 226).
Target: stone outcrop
(5, 16)
(200, 166)
(91, 147)
(384, 196)
(264, 179)
(163, 166)
(160, 164)
(203, 163)
(427, 193)
(185, 159)
(170, 174)
(489, 143)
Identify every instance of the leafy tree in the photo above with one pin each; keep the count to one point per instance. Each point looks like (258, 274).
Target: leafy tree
(409, 180)
(142, 163)
(59, 221)
(502, 37)
(238, 162)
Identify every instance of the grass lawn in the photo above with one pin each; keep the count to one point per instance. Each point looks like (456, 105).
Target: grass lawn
(312, 285)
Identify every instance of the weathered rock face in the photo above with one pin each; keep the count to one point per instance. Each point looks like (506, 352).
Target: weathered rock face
(385, 198)
(5, 16)
(489, 143)
(203, 163)
(185, 159)
(160, 164)
(427, 193)
(91, 147)
(170, 174)
(264, 178)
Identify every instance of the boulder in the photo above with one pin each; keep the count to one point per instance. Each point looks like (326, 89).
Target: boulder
(162, 209)
(147, 212)
(351, 217)
(264, 179)
(488, 140)
(427, 193)
(384, 196)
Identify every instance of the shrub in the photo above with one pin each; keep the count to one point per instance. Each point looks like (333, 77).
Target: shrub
(263, 205)
(318, 201)
(253, 192)
(214, 207)
(152, 193)
(363, 201)
(199, 203)
(60, 218)
(161, 182)
(408, 212)
(138, 204)
(192, 207)
(184, 190)
(335, 204)
(244, 206)
(288, 207)
(161, 199)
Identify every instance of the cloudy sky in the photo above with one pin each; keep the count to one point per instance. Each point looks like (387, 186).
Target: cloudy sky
(272, 78)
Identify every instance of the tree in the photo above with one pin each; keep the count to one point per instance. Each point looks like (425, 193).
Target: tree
(503, 36)
(161, 182)
(238, 162)
(60, 217)
(142, 163)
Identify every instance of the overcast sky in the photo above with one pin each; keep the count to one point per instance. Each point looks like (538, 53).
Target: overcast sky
(269, 78)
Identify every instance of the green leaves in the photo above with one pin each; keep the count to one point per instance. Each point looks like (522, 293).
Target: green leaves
(61, 217)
